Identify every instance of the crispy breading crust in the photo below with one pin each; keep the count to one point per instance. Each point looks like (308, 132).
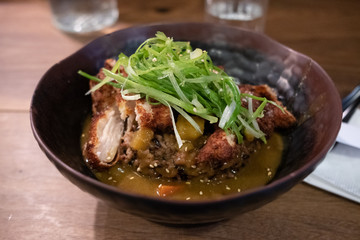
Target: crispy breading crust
(273, 118)
(218, 148)
(156, 117)
(103, 97)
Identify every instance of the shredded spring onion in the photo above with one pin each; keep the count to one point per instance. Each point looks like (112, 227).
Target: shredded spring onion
(185, 80)
(177, 135)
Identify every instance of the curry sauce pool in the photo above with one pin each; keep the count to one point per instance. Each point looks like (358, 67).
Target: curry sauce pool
(259, 170)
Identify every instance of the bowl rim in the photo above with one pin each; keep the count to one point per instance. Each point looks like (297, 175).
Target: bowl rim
(296, 175)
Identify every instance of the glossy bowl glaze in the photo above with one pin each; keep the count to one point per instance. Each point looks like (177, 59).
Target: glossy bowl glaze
(59, 107)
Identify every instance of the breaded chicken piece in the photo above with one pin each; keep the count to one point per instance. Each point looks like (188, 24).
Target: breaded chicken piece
(222, 148)
(107, 124)
(103, 97)
(105, 133)
(115, 120)
(219, 147)
(273, 117)
(126, 108)
(107, 95)
(155, 117)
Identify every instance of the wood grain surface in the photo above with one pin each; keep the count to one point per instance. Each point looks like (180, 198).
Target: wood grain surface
(36, 201)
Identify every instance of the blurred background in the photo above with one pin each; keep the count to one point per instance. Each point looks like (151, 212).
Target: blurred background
(323, 30)
(36, 201)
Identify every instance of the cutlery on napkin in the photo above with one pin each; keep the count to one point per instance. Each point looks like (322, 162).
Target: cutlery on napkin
(339, 171)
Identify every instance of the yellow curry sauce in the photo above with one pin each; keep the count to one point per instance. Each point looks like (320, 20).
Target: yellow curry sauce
(259, 170)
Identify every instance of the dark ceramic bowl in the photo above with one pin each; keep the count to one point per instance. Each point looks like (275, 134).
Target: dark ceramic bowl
(59, 106)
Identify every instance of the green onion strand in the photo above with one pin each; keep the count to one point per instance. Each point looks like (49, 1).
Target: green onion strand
(172, 73)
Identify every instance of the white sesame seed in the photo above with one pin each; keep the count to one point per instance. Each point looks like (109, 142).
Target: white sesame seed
(188, 183)
(201, 193)
(131, 178)
(167, 170)
(227, 187)
(151, 166)
(239, 190)
(109, 178)
(155, 164)
(138, 169)
(269, 173)
(188, 198)
(193, 166)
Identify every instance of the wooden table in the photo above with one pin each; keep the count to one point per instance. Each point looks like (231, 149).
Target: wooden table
(37, 202)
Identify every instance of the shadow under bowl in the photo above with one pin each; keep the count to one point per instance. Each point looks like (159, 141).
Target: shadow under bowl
(59, 107)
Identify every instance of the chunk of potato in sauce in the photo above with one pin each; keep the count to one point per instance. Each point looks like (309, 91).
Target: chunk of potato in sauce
(142, 138)
(186, 130)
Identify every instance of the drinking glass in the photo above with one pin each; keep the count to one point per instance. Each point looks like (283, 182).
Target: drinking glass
(83, 16)
(250, 14)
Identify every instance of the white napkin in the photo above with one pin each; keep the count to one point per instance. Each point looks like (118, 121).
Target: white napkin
(339, 173)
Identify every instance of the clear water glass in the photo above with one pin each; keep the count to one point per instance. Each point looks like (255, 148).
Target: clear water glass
(250, 14)
(84, 16)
